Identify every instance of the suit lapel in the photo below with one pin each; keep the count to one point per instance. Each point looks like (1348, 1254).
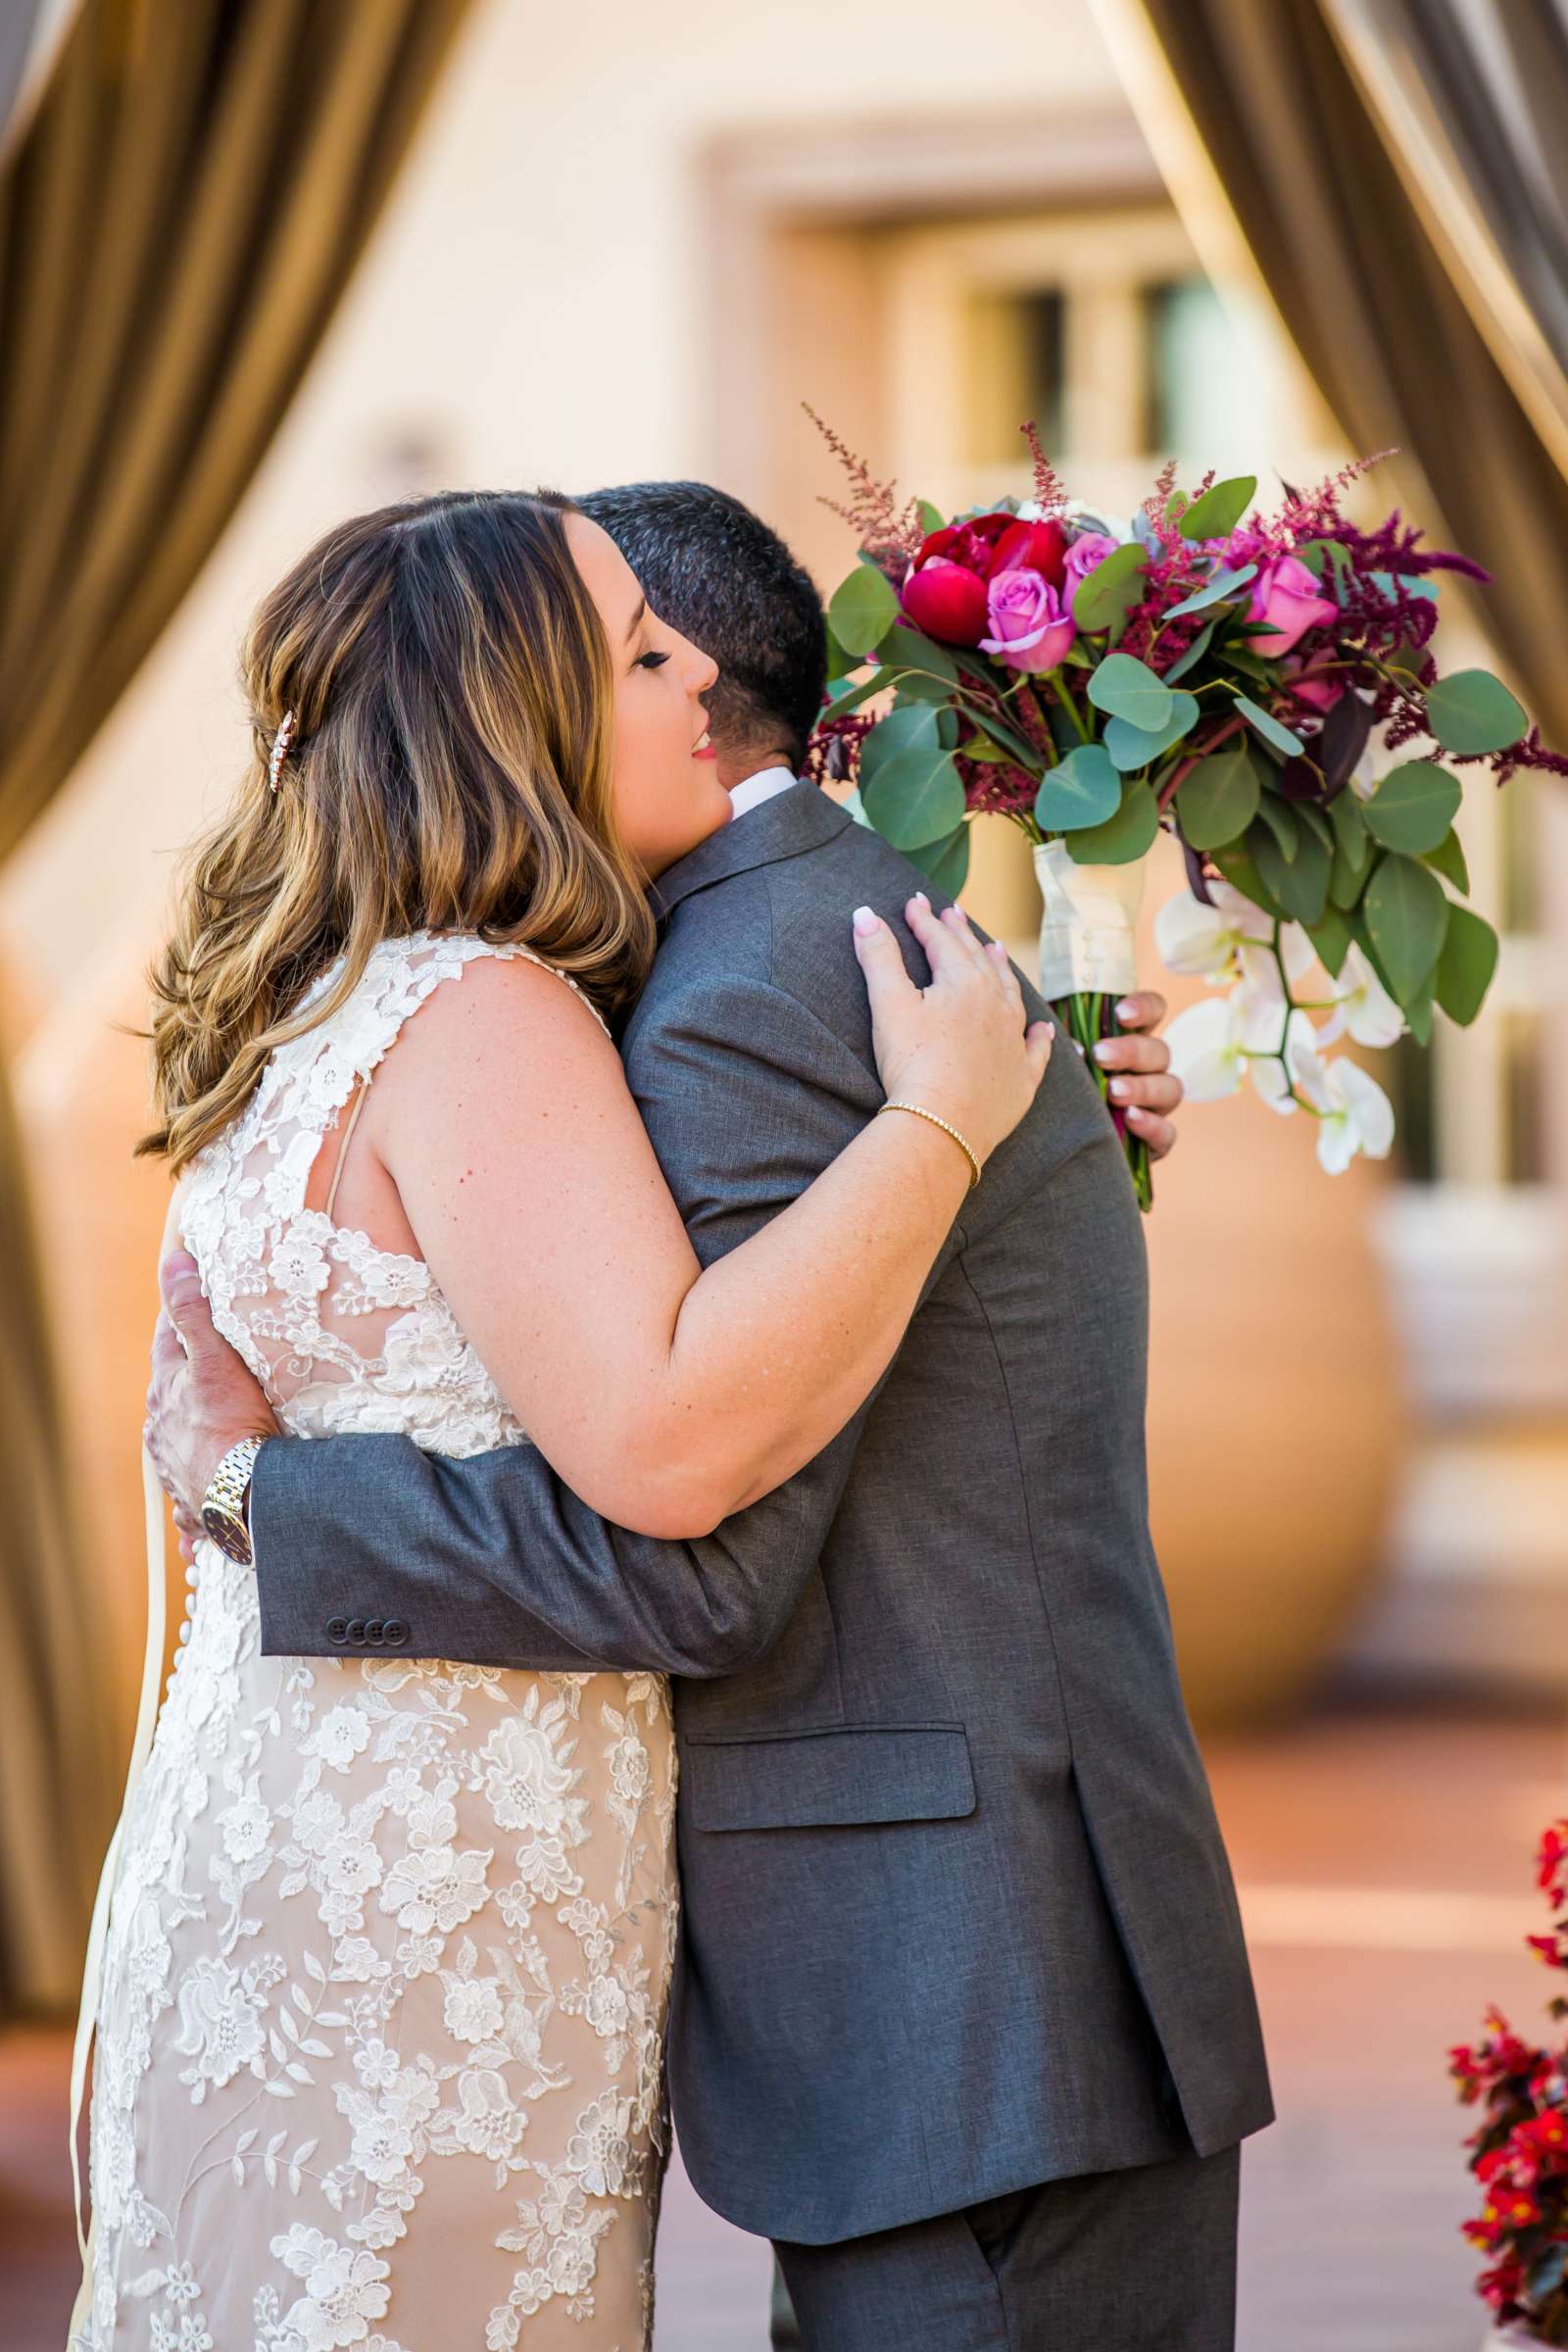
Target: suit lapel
(790, 823)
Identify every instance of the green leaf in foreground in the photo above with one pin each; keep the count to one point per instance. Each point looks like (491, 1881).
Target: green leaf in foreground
(1128, 835)
(1124, 686)
(1299, 884)
(945, 863)
(1466, 965)
(1448, 859)
(1332, 939)
(1194, 655)
(1214, 591)
(1132, 748)
(1406, 916)
(1413, 807)
(1220, 509)
(1105, 596)
(1271, 729)
(1218, 799)
(862, 608)
(1083, 789)
(1474, 711)
(909, 788)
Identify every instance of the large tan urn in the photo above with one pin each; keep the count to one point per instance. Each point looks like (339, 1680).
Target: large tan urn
(1274, 1419)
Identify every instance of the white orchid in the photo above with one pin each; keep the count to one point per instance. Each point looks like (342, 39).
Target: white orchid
(1354, 1115)
(1231, 936)
(1363, 1009)
(1214, 1044)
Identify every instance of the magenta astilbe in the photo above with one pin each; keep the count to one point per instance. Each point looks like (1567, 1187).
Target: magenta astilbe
(1050, 491)
(889, 531)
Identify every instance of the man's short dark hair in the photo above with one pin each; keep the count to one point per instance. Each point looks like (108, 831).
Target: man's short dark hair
(714, 570)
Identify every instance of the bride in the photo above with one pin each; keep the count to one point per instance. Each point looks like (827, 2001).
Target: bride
(380, 2031)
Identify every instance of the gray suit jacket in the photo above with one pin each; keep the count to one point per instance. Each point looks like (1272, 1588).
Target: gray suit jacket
(957, 1917)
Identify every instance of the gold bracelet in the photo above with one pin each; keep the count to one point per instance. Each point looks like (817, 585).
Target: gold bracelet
(920, 1112)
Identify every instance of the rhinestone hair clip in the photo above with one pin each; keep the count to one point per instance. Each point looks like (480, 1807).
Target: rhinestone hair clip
(287, 729)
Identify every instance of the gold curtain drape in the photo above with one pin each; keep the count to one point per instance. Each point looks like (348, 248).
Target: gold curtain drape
(176, 225)
(1259, 124)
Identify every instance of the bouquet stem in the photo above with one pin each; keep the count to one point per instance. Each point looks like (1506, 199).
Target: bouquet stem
(1088, 1016)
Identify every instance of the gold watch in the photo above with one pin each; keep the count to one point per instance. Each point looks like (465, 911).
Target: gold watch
(224, 1505)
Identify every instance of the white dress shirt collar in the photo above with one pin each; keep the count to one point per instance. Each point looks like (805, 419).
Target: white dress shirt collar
(752, 791)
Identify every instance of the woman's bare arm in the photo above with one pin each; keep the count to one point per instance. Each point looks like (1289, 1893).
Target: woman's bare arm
(667, 1397)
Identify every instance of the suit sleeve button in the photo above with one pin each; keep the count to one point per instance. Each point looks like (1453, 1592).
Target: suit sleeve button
(337, 1629)
(354, 1632)
(394, 1633)
(374, 1631)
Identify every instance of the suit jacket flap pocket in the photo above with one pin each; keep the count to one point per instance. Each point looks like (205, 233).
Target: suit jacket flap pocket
(821, 1780)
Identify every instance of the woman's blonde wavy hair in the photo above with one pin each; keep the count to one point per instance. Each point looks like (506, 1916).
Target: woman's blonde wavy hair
(451, 772)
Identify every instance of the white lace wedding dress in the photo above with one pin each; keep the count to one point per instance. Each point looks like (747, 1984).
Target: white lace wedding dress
(379, 2033)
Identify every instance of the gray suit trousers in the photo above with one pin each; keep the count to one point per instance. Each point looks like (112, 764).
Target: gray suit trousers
(1136, 2260)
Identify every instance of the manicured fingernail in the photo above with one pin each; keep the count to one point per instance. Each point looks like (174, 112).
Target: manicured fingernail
(1103, 1048)
(1077, 1046)
(865, 921)
(1119, 1090)
(1050, 1029)
(994, 947)
(1126, 1010)
(920, 898)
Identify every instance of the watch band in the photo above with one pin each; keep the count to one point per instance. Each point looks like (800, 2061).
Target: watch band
(223, 1514)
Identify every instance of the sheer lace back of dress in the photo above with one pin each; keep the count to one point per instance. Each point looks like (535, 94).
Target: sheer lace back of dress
(343, 1335)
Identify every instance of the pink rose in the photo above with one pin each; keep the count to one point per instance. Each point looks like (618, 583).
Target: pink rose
(1318, 693)
(946, 600)
(1086, 555)
(1286, 595)
(1029, 628)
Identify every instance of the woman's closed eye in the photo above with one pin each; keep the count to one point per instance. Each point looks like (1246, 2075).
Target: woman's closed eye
(650, 661)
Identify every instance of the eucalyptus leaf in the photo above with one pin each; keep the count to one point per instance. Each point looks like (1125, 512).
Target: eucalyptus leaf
(1270, 728)
(915, 797)
(850, 697)
(1330, 937)
(902, 647)
(1105, 596)
(945, 863)
(1124, 686)
(1279, 820)
(1214, 591)
(1220, 509)
(1218, 799)
(1132, 748)
(1193, 656)
(1125, 836)
(1353, 850)
(1466, 965)
(1413, 807)
(1298, 885)
(931, 517)
(1448, 859)
(862, 608)
(1239, 869)
(1406, 916)
(1412, 584)
(1474, 711)
(1083, 790)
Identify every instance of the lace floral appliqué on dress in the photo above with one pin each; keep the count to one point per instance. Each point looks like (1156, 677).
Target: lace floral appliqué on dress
(380, 2034)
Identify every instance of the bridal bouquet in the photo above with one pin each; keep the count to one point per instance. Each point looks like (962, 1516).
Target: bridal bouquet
(1215, 673)
(1519, 2151)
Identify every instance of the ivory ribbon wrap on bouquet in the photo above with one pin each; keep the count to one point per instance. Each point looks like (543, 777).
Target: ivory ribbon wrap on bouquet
(1088, 931)
(93, 1967)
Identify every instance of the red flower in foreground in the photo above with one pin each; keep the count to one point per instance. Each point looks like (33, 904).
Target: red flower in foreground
(948, 600)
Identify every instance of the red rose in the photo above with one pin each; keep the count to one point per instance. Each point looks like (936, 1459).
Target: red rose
(1032, 546)
(946, 600)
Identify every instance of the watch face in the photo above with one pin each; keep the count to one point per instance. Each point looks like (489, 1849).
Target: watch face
(228, 1533)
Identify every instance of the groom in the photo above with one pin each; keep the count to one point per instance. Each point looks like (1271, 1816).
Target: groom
(962, 2019)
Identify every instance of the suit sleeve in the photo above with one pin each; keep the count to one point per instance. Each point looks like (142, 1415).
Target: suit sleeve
(746, 1096)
